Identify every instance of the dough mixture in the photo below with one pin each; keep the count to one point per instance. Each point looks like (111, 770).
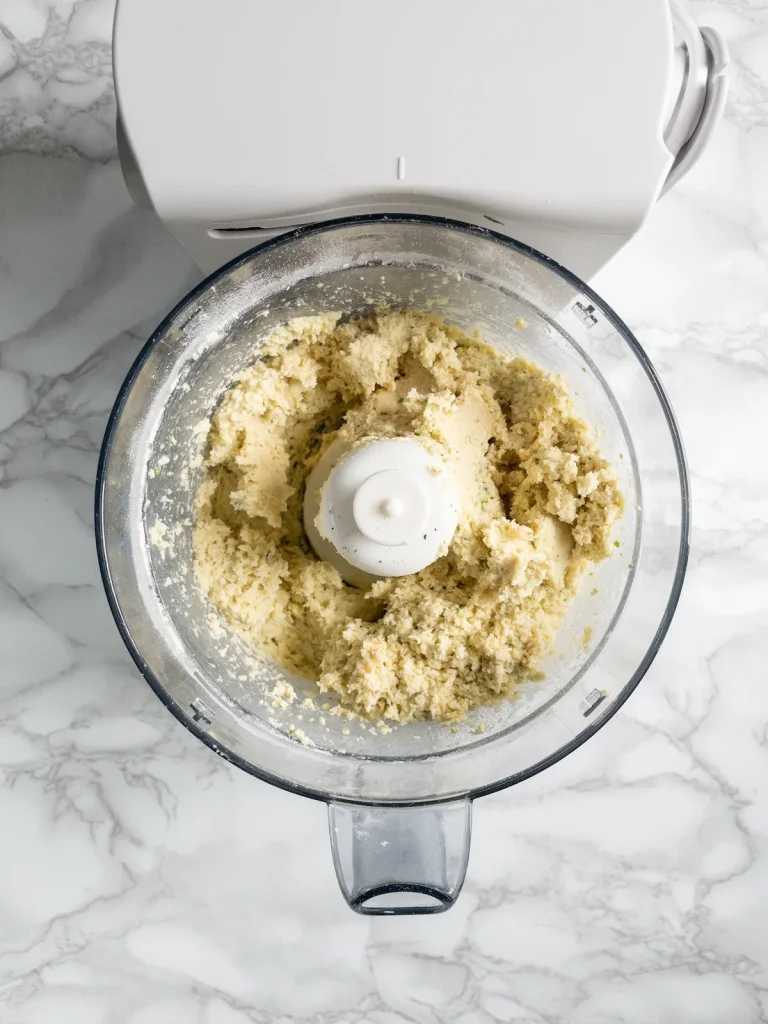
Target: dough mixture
(538, 504)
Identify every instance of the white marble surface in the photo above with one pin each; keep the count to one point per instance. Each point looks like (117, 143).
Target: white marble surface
(142, 880)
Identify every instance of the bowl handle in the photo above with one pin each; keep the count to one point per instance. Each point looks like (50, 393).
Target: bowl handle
(401, 860)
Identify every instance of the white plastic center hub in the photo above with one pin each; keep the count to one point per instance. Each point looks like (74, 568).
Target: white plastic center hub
(385, 508)
(391, 508)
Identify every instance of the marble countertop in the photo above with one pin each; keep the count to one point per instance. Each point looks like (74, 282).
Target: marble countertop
(142, 879)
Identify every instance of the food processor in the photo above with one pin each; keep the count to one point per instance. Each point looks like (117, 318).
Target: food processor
(557, 122)
(399, 799)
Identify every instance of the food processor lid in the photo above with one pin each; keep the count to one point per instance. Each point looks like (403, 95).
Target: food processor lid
(262, 114)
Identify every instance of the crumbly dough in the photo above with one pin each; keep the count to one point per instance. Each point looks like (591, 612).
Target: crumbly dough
(538, 504)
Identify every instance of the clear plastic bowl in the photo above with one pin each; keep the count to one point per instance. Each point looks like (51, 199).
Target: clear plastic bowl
(400, 803)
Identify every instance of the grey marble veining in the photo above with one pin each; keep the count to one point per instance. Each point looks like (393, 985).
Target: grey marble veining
(56, 94)
(143, 880)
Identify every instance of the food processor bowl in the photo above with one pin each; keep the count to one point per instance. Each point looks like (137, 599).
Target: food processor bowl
(399, 802)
